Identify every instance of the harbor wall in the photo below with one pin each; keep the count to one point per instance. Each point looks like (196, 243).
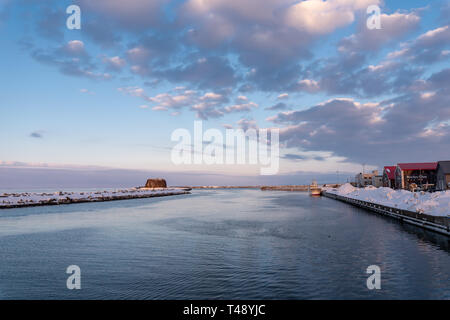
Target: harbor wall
(435, 223)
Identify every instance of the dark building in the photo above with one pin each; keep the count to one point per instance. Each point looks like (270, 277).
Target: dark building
(443, 175)
(389, 176)
(423, 175)
(156, 183)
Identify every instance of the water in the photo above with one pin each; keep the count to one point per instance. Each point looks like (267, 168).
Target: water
(218, 244)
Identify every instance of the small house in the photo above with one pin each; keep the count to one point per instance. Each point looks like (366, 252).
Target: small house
(389, 176)
(377, 181)
(443, 175)
(365, 179)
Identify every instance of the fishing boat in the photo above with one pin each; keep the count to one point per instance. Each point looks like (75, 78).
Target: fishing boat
(314, 189)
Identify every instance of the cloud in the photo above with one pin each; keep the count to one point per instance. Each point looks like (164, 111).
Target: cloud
(255, 31)
(37, 134)
(74, 48)
(203, 73)
(303, 157)
(351, 75)
(49, 23)
(134, 15)
(86, 91)
(102, 32)
(153, 52)
(246, 124)
(71, 59)
(157, 108)
(278, 106)
(427, 48)
(216, 44)
(348, 73)
(389, 131)
(291, 156)
(170, 101)
(241, 107)
(308, 85)
(114, 63)
(445, 12)
(322, 17)
(393, 27)
(206, 105)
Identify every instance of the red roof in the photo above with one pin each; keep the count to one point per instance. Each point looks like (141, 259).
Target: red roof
(390, 171)
(418, 166)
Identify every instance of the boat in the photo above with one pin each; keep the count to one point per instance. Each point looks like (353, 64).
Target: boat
(314, 189)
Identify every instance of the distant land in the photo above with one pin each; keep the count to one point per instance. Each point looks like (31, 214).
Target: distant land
(25, 178)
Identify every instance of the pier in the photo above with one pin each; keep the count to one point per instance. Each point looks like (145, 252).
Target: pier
(435, 223)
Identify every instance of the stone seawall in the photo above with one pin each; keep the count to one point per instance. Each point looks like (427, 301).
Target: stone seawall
(435, 223)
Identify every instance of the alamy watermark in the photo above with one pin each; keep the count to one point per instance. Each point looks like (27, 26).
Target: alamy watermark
(74, 280)
(250, 147)
(374, 20)
(74, 20)
(374, 280)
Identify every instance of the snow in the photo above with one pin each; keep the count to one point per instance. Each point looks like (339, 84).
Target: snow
(32, 198)
(435, 204)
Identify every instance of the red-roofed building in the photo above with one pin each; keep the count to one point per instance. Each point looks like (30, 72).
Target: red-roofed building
(389, 176)
(423, 175)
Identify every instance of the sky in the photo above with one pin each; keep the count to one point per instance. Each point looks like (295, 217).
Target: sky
(98, 105)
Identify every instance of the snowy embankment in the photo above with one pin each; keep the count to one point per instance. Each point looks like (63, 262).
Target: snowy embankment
(435, 204)
(15, 200)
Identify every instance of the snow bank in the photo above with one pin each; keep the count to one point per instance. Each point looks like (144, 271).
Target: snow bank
(436, 203)
(29, 199)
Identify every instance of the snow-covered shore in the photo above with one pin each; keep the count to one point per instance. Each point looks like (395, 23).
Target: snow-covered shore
(435, 204)
(14, 200)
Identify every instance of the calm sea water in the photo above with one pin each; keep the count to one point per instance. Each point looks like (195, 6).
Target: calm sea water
(218, 244)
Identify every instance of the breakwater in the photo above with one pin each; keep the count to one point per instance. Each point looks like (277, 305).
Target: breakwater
(435, 223)
(20, 200)
(295, 187)
(222, 187)
(285, 188)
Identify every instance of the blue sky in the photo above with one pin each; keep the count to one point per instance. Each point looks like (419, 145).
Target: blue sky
(110, 94)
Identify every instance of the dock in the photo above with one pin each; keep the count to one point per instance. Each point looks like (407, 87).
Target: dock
(435, 223)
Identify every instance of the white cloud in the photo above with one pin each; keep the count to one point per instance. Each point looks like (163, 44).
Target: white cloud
(321, 17)
(75, 47)
(309, 85)
(241, 107)
(115, 63)
(86, 91)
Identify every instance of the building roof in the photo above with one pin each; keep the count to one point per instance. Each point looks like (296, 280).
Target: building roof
(390, 171)
(418, 166)
(444, 166)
